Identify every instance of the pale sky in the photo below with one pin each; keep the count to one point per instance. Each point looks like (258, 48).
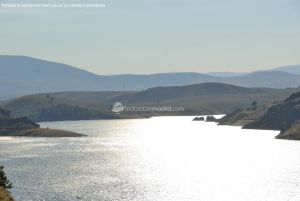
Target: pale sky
(154, 36)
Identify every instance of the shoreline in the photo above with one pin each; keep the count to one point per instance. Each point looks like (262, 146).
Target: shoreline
(40, 132)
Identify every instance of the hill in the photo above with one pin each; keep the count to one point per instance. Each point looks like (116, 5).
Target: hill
(207, 98)
(205, 89)
(24, 75)
(64, 106)
(271, 79)
(283, 116)
(22, 126)
(20, 75)
(226, 74)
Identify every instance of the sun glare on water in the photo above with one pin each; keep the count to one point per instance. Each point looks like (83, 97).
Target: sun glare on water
(156, 159)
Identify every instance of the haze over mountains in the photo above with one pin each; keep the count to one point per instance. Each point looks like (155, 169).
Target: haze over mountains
(294, 69)
(20, 75)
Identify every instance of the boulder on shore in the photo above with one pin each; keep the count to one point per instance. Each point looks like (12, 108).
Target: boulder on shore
(211, 119)
(199, 119)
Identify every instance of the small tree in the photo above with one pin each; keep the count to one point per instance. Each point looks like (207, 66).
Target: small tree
(254, 104)
(51, 100)
(4, 182)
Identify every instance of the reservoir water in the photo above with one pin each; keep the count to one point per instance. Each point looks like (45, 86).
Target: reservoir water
(156, 159)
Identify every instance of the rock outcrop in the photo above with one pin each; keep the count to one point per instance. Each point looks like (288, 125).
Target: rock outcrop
(211, 119)
(292, 133)
(199, 119)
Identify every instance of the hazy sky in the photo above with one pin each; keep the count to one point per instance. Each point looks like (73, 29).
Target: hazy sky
(151, 36)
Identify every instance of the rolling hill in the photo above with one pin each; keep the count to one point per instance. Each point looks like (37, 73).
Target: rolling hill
(20, 75)
(207, 98)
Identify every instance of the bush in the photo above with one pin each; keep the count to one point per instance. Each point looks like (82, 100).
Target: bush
(4, 182)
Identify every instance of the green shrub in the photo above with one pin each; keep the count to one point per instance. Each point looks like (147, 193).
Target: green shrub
(4, 182)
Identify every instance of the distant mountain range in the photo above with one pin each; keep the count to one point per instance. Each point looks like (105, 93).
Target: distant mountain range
(20, 75)
(206, 98)
(295, 69)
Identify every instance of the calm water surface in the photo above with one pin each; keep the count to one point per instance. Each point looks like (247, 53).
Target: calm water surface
(157, 159)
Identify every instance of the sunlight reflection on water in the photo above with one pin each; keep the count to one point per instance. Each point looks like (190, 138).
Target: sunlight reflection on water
(163, 158)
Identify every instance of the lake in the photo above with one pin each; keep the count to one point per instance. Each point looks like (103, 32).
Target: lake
(156, 159)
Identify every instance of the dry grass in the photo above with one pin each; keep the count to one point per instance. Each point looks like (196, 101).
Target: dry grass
(5, 195)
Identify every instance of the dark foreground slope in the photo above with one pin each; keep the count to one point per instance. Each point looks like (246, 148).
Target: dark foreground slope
(22, 126)
(283, 116)
(198, 99)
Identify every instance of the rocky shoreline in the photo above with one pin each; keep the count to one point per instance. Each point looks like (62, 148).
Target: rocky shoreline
(39, 132)
(283, 116)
